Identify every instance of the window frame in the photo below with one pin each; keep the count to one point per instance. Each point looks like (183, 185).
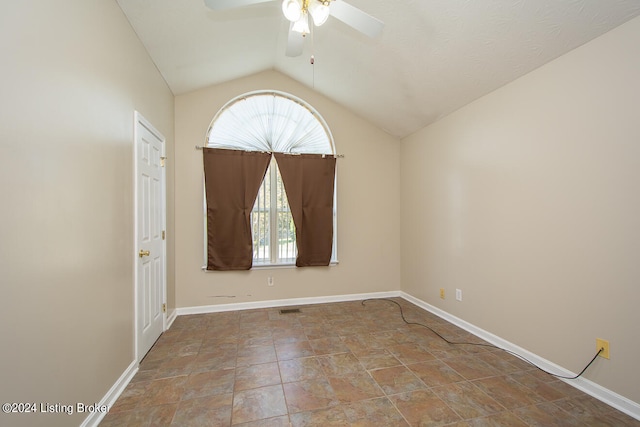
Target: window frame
(274, 211)
(273, 262)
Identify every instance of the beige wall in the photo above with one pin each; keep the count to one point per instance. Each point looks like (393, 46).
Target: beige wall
(368, 206)
(528, 201)
(72, 74)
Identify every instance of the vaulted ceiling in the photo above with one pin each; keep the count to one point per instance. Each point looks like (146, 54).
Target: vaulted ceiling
(433, 57)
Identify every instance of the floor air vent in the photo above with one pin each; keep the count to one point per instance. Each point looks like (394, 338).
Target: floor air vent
(290, 310)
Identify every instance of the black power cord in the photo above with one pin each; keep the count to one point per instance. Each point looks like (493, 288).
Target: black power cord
(484, 345)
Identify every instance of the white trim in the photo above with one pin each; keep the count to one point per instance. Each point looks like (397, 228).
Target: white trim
(603, 394)
(269, 266)
(170, 318)
(607, 396)
(112, 395)
(282, 303)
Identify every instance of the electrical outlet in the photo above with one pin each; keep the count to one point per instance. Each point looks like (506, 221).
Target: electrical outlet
(270, 281)
(459, 294)
(442, 293)
(600, 343)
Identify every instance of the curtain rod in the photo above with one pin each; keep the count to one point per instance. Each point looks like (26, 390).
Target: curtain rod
(338, 156)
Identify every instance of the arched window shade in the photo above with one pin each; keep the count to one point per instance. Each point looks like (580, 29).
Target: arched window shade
(276, 122)
(271, 122)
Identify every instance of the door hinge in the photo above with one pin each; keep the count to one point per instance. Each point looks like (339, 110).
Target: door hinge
(163, 234)
(164, 308)
(162, 161)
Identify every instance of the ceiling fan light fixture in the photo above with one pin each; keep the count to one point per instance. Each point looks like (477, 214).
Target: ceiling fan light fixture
(319, 12)
(302, 25)
(292, 10)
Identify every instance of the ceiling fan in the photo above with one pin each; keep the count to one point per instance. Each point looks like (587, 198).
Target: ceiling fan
(298, 12)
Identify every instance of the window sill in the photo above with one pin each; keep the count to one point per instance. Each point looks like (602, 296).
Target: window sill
(270, 266)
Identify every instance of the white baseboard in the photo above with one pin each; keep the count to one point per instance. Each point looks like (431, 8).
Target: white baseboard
(112, 395)
(171, 318)
(603, 394)
(282, 303)
(116, 390)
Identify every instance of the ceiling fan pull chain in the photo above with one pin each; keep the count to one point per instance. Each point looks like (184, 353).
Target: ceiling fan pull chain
(312, 60)
(313, 72)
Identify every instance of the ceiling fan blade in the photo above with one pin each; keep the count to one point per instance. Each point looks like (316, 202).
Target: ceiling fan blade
(356, 18)
(231, 4)
(295, 42)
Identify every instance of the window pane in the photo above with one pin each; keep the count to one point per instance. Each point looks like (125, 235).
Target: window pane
(260, 223)
(287, 250)
(284, 249)
(269, 122)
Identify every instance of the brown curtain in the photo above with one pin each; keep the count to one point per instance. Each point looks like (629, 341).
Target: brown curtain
(232, 180)
(308, 181)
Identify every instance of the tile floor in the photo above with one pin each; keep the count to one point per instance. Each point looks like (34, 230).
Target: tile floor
(342, 364)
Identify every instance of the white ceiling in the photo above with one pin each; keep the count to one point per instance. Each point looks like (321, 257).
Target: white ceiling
(433, 56)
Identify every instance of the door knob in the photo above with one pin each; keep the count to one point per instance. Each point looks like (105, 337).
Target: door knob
(143, 253)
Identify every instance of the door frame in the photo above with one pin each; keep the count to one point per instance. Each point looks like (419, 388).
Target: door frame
(139, 120)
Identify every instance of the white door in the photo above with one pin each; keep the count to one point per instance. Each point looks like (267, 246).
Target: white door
(150, 244)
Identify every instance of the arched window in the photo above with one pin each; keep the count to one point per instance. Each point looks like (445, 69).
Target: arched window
(272, 121)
